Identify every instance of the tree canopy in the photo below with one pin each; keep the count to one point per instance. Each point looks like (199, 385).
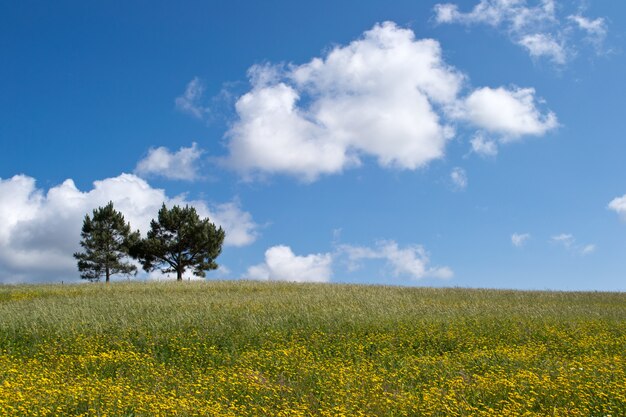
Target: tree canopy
(107, 240)
(179, 240)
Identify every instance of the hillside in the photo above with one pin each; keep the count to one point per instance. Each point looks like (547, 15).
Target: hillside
(282, 349)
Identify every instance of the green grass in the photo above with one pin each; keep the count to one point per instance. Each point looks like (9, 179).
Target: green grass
(249, 348)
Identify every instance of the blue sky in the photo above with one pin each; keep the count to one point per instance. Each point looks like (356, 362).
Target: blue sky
(469, 143)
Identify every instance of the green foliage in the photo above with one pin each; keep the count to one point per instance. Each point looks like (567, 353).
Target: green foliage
(178, 240)
(106, 240)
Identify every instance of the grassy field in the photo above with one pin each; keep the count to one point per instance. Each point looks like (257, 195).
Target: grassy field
(272, 349)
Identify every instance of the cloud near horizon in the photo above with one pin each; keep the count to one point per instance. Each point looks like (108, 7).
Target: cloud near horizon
(568, 241)
(385, 95)
(281, 264)
(411, 261)
(40, 230)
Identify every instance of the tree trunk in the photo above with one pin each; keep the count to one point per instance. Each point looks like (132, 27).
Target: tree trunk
(179, 274)
(108, 274)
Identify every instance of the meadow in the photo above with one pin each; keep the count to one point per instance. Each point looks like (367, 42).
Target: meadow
(286, 349)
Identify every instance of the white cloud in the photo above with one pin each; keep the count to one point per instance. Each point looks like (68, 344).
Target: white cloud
(541, 44)
(618, 205)
(483, 146)
(541, 29)
(375, 96)
(510, 113)
(181, 165)
(519, 239)
(447, 13)
(514, 14)
(385, 95)
(458, 176)
(272, 135)
(587, 249)
(40, 230)
(565, 239)
(568, 241)
(411, 261)
(190, 101)
(281, 264)
(241, 230)
(596, 29)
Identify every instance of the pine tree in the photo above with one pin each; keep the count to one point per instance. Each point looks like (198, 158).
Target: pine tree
(106, 240)
(178, 240)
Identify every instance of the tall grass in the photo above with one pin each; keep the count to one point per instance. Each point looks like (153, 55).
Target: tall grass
(249, 348)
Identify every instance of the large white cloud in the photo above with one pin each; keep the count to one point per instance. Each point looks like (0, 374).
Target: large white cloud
(40, 230)
(281, 264)
(374, 97)
(180, 165)
(385, 95)
(543, 29)
(412, 261)
(273, 135)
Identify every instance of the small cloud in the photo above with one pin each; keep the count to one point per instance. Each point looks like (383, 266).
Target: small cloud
(483, 146)
(412, 261)
(618, 205)
(596, 29)
(337, 234)
(281, 264)
(242, 230)
(587, 249)
(190, 101)
(564, 239)
(519, 239)
(446, 13)
(458, 176)
(568, 241)
(542, 30)
(509, 112)
(180, 165)
(544, 45)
